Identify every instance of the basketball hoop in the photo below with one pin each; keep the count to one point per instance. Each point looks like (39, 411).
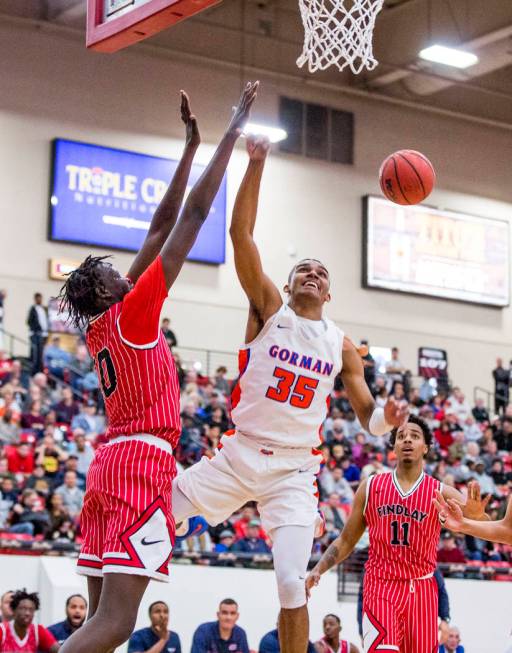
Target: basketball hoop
(338, 33)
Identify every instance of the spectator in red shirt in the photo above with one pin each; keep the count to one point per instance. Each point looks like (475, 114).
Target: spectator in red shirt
(34, 419)
(241, 525)
(20, 634)
(444, 435)
(449, 551)
(21, 460)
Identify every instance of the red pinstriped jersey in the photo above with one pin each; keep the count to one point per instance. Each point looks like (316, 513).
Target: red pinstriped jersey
(344, 646)
(403, 527)
(137, 373)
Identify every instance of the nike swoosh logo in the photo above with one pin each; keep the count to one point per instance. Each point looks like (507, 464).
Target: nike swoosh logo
(145, 543)
(279, 326)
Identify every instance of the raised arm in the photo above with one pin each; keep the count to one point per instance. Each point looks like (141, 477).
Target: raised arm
(375, 420)
(452, 517)
(344, 544)
(200, 199)
(263, 295)
(168, 210)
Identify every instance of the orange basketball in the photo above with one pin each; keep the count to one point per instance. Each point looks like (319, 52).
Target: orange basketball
(407, 177)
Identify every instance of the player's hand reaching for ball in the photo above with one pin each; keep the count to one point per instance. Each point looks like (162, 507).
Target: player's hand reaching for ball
(257, 147)
(312, 580)
(193, 138)
(396, 412)
(243, 110)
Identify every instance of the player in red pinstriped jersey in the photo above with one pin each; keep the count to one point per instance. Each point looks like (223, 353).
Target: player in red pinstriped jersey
(400, 594)
(126, 520)
(331, 642)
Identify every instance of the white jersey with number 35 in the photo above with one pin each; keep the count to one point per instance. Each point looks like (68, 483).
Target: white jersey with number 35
(286, 376)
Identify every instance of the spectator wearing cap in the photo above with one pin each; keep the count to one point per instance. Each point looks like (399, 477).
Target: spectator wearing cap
(480, 412)
(72, 495)
(88, 420)
(225, 543)
(157, 637)
(68, 407)
(452, 645)
(252, 542)
(76, 613)
(223, 634)
(485, 481)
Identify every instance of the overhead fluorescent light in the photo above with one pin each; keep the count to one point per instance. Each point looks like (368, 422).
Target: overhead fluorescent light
(449, 56)
(274, 134)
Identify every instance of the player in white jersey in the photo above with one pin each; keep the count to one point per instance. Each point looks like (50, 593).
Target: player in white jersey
(287, 370)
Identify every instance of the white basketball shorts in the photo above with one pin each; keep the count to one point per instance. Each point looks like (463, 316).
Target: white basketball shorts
(281, 481)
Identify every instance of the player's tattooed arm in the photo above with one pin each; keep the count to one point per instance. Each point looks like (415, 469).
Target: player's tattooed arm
(166, 214)
(344, 544)
(263, 295)
(200, 200)
(473, 507)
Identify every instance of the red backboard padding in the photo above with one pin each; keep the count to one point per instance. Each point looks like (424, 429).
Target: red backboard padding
(139, 23)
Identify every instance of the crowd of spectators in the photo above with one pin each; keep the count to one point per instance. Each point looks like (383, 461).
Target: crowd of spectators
(51, 422)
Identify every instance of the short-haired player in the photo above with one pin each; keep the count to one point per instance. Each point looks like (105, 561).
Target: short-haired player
(289, 361)
(127, 521)
(331, 642)
(400, 597)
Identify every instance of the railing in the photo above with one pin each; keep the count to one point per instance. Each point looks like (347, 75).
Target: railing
(206, 361)
(489, 397)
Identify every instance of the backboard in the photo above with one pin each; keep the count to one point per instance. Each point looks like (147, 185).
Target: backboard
(116, 24)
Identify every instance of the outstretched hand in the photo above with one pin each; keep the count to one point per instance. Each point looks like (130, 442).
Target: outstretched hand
(193, 137)
(257, 147)
(243, 110)
(450, 512)
(396, 412)
(475, 505)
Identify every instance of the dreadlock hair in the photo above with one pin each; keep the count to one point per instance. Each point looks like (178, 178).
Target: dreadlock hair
(414, 419)
(83, 291)
(22, 595)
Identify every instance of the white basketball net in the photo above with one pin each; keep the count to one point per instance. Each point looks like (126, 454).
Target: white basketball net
(338, 33)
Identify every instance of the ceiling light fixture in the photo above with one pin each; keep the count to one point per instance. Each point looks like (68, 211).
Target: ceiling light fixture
(449, 56)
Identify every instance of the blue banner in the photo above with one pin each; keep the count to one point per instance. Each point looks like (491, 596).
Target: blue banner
(106, 197)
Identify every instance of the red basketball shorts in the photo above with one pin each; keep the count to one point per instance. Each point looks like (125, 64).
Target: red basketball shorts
(400, 615)
(126, 520)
